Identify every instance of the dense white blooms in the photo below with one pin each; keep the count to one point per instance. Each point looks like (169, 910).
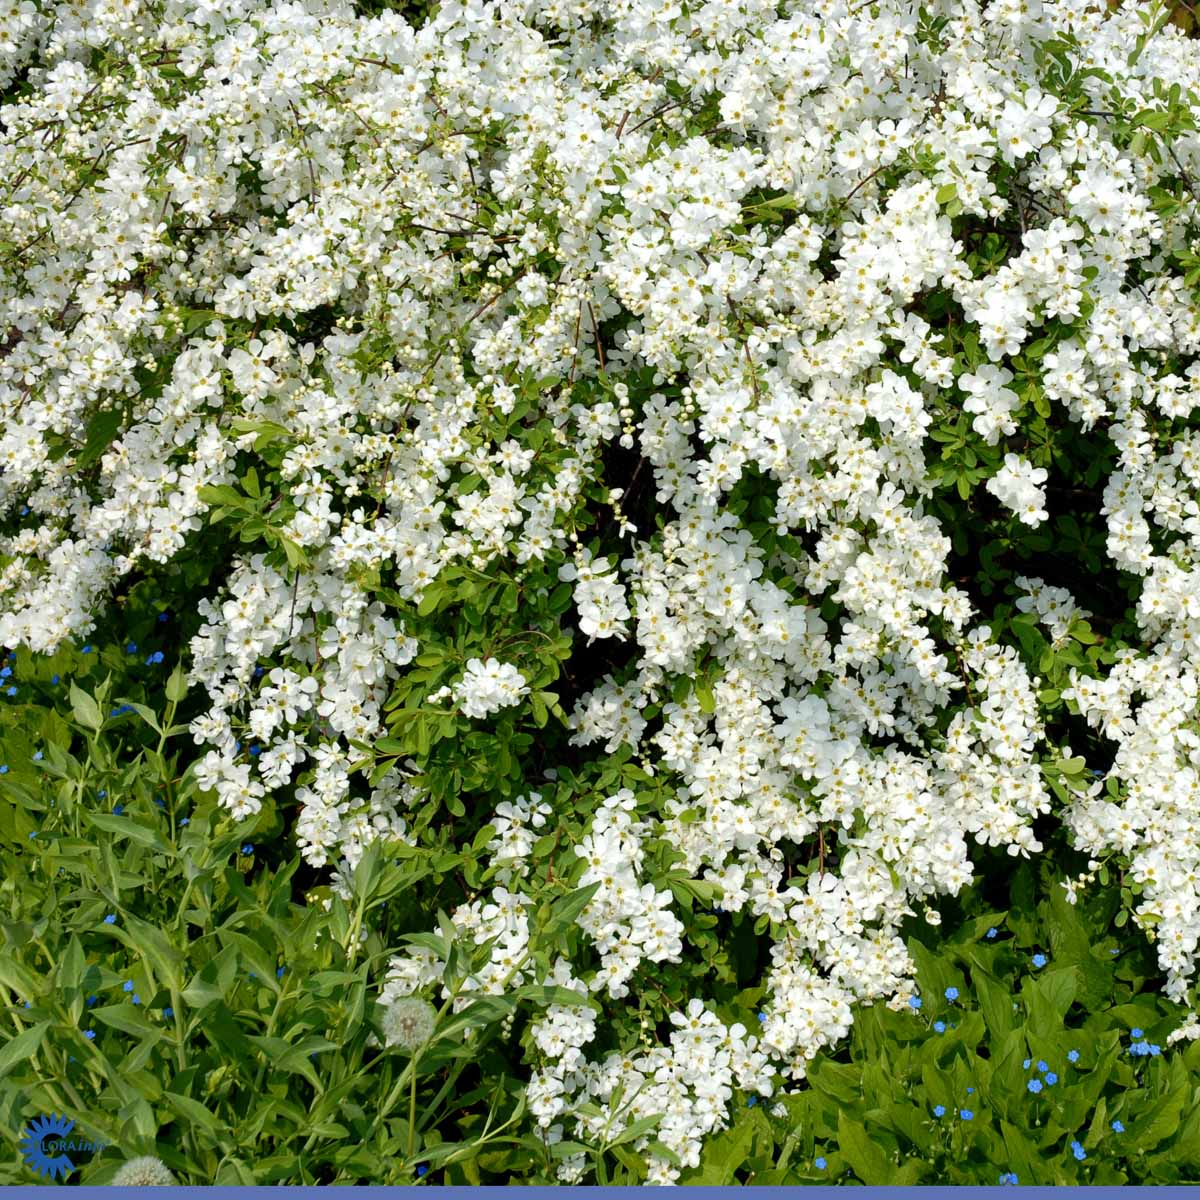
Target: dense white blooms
(488, 687)
(446, 277)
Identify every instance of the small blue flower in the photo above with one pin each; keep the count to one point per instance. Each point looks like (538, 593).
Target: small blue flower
(86, 649)
(248, 848)
(32, 834)
(3, 768)
(1072, 1056)
(819, 1162)
(163, 617)
(914, 1002)
(966, 1114)
(131, 648)
(118, 810)
(168, 1012)
(38, 756)
(1051, 1079)
(127, 986)
(1135, 1033)
(1039, 960)
(952, 994)
(1034, 1085)
(1155, 1051)
(1117, 1127)
(752, 1102)
(991, 933)
(762, 1018)
(939, 1110)
(136, 998)
(102, 793)
(92, 1000)
(185, 821)
(111, 919)
(1043, 1065)
(1027, 1064)
(422, 1171)
(54, 679)
(90, 1034)
(279, 972)
(939, 1026)
(12, 691)
(970, 1091)
(1078, 1150)
(1009, 1177)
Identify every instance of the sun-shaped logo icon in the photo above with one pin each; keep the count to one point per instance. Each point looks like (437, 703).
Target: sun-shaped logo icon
(47, 1161)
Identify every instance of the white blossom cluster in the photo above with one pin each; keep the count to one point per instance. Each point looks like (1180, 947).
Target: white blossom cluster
(696, 235)
(1017, 485)
(487, 687)
(1054, 607)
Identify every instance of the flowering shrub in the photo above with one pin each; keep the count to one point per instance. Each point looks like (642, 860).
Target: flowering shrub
(681, 484)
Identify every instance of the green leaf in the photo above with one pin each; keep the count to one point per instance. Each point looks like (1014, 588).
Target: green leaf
(565, 911)
(176, 687)
(866, 1159)
(296, 556)
(213, 981)
(127, 827)
(996, 1004)
(71, 968)
(194, 1112)
(637, 1129)
(24, 1046)
(101, 433)
(1158, 1122)
(85, 709)
(1048, 999)
(128, 1018)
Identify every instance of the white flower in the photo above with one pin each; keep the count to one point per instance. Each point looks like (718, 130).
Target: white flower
(489, 686)
(1017, 486)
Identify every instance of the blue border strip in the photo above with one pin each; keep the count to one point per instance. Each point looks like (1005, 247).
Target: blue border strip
(823, 1191)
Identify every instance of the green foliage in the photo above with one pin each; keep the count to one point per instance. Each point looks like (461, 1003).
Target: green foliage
(165, 987)
(887, 1106)
(235, 1034)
